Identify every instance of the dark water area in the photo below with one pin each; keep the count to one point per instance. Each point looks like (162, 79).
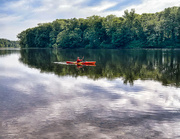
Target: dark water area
(128, 94)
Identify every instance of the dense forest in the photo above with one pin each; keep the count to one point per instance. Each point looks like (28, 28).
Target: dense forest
(4, 43)
(148, 30)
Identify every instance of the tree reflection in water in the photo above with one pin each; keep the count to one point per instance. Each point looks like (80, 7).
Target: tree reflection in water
(160, 65)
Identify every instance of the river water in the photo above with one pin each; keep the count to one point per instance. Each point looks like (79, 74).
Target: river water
(130, 94)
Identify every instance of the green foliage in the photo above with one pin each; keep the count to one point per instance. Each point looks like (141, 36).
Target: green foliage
(4, 43)
(69, 39)
(161, 29)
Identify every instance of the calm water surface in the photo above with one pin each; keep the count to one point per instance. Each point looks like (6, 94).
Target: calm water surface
(129, 94)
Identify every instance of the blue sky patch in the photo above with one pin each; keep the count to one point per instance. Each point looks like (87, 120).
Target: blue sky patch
(36, 3)
(123, 4)
(3, 9)
(91, 2)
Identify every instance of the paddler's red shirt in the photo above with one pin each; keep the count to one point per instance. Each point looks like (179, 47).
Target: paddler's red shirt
(79, 60)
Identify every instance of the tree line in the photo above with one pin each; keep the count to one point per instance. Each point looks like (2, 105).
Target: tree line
(4, 43)
(132, 30)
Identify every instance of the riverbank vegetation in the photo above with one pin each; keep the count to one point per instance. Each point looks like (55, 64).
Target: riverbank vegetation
(148, 30)
(4, 43)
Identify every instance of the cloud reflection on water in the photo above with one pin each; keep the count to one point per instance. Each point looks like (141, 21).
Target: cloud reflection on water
(37, 105)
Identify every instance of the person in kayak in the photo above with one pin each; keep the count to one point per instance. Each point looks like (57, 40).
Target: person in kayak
(79, 60)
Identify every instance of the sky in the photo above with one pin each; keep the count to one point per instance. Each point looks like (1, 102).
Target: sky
(19, 15)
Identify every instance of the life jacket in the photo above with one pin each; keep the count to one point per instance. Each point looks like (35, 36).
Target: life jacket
(79, 60)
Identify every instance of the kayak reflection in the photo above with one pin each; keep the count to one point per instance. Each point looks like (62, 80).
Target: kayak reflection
(81, 66)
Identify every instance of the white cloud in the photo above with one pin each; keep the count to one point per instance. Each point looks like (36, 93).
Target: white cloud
(153, 6)
(5, 19)
(17, 4)
(103, 6)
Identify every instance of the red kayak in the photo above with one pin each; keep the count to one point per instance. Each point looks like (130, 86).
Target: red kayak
(82, 63)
